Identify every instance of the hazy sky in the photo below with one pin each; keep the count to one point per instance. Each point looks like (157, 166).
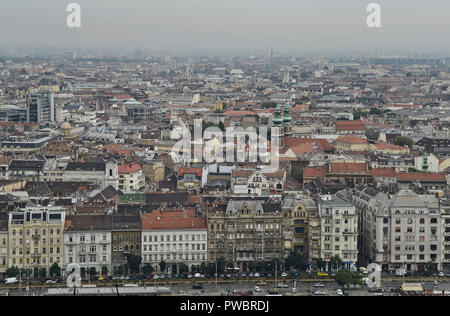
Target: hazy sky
(408, 25)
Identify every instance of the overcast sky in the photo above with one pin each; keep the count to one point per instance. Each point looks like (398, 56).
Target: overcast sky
(211, 25)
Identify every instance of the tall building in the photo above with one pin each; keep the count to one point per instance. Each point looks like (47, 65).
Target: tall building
(339, 231)
(41, 107)
(301, 226)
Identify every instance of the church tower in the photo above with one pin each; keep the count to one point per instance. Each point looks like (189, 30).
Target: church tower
(287, 120)
(277, 122)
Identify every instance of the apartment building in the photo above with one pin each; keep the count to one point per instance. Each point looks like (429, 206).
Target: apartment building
(36, 239)
(399, 231)
(245, 233)
(301, 226)
(3, 244)
(126, 240)
(339, 230)
(87, 242)
(131, 178)
(175, 237)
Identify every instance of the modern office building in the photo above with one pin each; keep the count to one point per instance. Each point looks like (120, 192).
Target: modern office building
(41, 107)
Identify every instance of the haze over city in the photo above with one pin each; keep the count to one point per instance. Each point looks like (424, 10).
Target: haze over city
(227, 26)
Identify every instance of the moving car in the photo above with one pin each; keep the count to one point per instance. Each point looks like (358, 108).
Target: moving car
(282, 285)
(339, 292)
(257, 289)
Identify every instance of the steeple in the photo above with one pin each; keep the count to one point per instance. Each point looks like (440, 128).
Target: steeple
(287, 119)
(277, 120)
(425, 163)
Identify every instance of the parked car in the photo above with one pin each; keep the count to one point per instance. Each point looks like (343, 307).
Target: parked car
(339, 292)
(319, 285)
(257, 289)
(11, 280)
(282, 285)
(317, 292)
(284, 274)
(197, 286)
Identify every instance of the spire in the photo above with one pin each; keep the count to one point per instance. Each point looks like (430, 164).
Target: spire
(277, 120)
(287, 117)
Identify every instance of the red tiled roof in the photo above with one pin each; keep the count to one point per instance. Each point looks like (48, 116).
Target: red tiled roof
(419, 176)
(349, 125)
(242, 173)
(351, 139)
(129, 168)
(383, 172)
(315, 172)
(239, 113)
(347, 166)
(196, 171)
(389, 146)
(322, 143)
(172, 220)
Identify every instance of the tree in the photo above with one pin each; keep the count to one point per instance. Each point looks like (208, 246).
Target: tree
(346, 278)
(321, 264)
(335, 262)
(221, 264)
(12, 272)
(404, 141)
(92, 271)
(184, 268)
(430, 267)
(43, 273)
(252, 266)
(55, 270)
(162, 266)
(134, 263)
(147, 269)
(297, 261)
(120, 270)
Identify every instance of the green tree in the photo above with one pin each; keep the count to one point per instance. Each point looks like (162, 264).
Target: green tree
(346, 278)
(55, 270)
(297, 261)
(321, 264)
(147, 269)
(430, 267)
(92, 271)
(120, 270)
(221, 264)
(162, 266)
(184, 268)
(252, 266)
(404, 141)
(335, 262)
(12, 272)
(43, 273)
(134, 263)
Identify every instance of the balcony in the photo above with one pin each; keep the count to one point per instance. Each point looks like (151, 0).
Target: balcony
(35, 255)
(36, 236)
